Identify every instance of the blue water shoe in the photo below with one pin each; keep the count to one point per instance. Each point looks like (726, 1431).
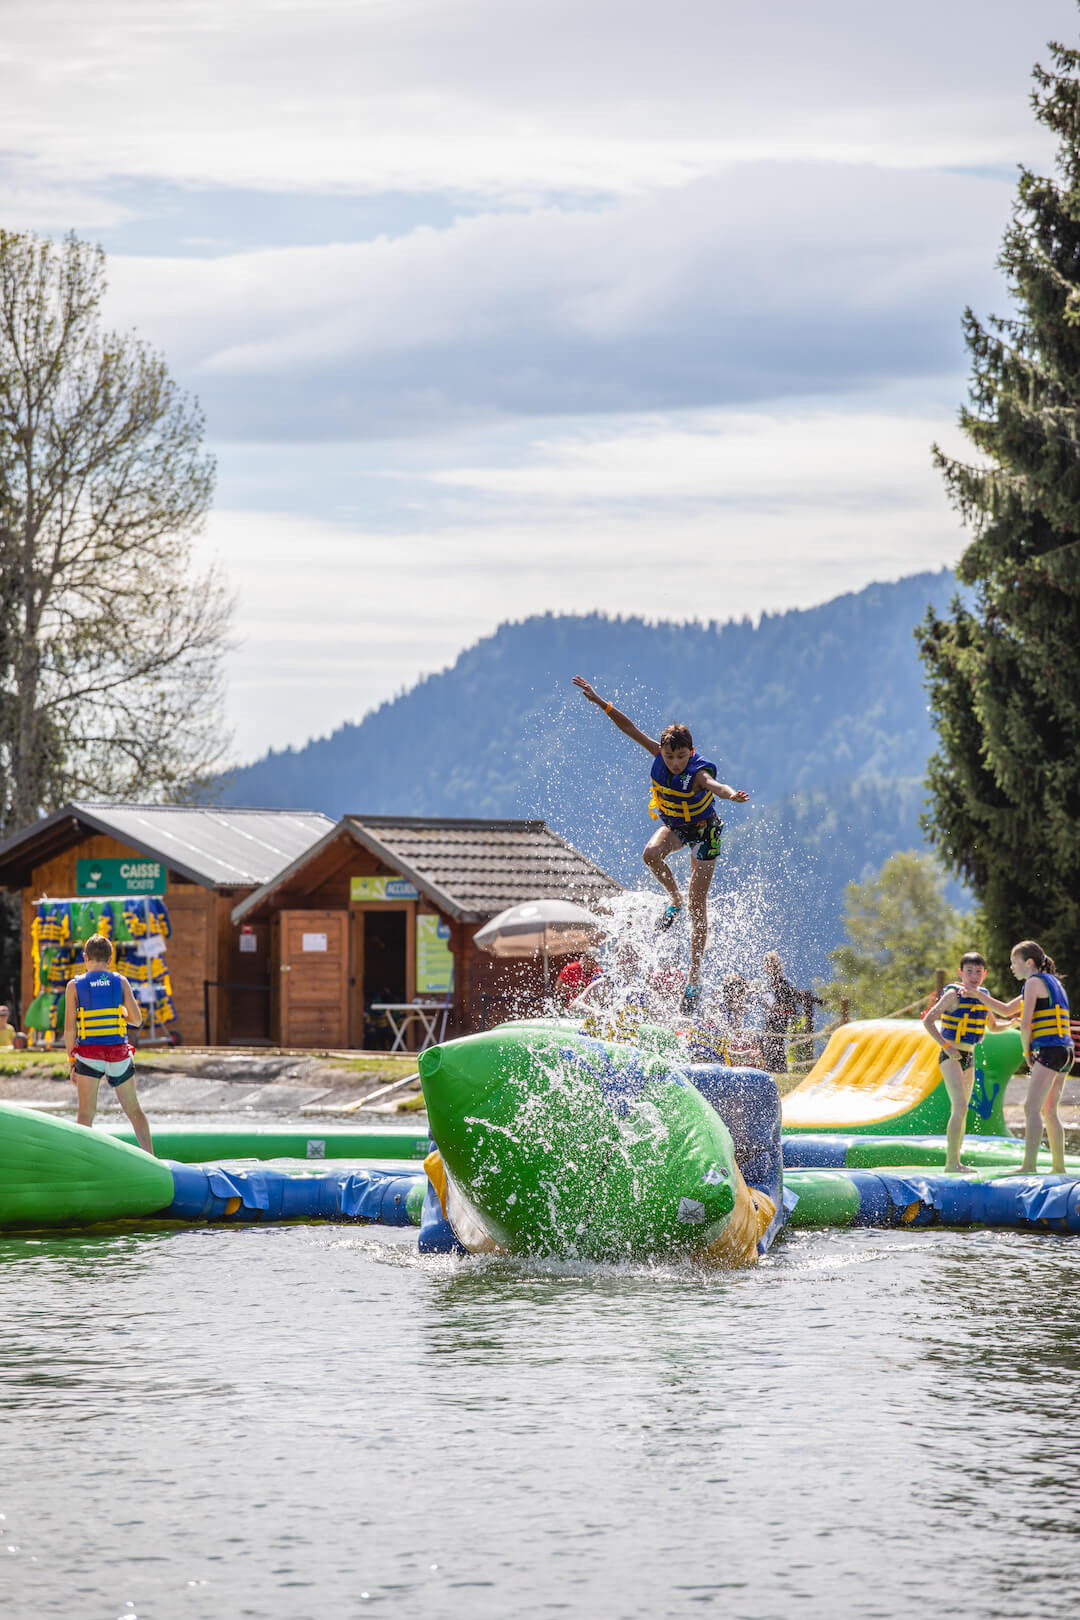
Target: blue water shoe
(664, 922)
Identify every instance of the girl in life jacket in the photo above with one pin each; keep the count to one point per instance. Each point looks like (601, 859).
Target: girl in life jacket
(684, 788)
(1048, 1048)
(957, 1022)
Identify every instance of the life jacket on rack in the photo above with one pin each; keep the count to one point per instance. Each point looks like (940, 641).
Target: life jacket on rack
(966, 1024)
(708, 1046)
(99, 1004)
(54, 917)
(1050, 1020)
(674, 800)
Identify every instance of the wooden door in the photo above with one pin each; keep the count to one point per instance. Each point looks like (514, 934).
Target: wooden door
(191, 958)
(360, 980)
(246, 1004)
(313, 976)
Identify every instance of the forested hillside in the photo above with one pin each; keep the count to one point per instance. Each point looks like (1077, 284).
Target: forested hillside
(819, 713)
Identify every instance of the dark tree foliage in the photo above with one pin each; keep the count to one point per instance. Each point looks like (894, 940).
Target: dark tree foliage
(1004, 673)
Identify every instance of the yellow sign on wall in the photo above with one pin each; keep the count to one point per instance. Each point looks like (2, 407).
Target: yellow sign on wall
(434, 958)
(390, 887)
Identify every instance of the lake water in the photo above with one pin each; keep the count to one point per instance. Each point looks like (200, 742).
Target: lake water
(311, 1423)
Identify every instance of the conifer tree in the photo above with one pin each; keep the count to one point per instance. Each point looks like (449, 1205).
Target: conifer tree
(1004, 672)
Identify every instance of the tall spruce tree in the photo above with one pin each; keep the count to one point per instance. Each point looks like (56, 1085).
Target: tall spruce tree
(1004, 675)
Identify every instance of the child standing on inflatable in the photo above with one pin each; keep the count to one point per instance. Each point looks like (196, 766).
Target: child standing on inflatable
(684, 787)
(98, 1008)
(1048, 1048)
(957, 1021)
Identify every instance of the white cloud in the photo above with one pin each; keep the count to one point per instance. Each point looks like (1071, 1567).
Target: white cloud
(764, 459)
(510, 99)
(338, 616)
(779, 280)
(714, 203)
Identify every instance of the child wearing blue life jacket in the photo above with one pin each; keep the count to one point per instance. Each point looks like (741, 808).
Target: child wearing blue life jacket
(98, 1009)
(1048, 1048)
(684, 787)
(957, 1021)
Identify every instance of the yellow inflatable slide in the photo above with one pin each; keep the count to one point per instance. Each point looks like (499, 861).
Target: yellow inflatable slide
(882, 1075)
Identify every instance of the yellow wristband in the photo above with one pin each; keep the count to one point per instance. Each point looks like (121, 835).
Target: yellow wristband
(607, 708)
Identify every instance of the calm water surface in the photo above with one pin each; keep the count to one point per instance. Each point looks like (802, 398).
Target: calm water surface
(291, 1423)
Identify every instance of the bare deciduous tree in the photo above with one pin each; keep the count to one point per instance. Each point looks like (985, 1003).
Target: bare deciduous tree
(110, 646)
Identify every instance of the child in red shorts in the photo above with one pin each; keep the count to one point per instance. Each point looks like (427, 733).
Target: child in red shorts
(98, 1009)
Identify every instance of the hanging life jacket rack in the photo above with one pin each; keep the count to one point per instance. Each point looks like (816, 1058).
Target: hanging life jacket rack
(153, 1038)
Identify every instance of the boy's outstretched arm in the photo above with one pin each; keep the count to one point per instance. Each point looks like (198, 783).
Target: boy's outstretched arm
(624, 724)
(720, 790)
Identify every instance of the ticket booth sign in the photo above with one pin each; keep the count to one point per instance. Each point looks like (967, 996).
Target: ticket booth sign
(131, 875)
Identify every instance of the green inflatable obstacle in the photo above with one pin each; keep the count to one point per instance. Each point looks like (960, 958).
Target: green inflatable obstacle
(53, 1173)
(198, 1144)
(656, 1039)
(556, 1144)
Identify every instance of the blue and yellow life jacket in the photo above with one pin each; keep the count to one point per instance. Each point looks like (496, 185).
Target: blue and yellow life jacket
(54, 917)
(142, 971)
(966, 1024)
(99, 998)
(621, 1022)
(135, 917)
(674, 799)
(1050, 1020)
(708, 1046)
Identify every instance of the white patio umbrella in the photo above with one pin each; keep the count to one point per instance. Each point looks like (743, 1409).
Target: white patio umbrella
(540, 927)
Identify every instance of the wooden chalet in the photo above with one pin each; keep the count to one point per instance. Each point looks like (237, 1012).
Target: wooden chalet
(200, 861)
(383, 909)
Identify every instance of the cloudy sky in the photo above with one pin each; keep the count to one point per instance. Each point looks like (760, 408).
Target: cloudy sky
(496, 306)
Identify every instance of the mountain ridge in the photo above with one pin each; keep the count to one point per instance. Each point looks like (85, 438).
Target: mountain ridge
(800, 708)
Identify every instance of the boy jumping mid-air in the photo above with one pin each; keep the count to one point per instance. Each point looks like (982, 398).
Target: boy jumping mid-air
(684, 786)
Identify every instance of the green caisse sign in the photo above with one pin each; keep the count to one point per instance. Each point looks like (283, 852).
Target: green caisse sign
(130, 875)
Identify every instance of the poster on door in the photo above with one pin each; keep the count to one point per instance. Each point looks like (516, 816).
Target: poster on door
(434, 958)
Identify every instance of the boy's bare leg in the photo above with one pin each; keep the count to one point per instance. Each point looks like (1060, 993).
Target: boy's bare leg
(87, 1087)
(129, 1102)
(958, 1085)
(701, 876)
(662, 843)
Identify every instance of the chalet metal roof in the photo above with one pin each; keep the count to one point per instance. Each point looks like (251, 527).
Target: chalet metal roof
(217, 848)
(471, 869)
